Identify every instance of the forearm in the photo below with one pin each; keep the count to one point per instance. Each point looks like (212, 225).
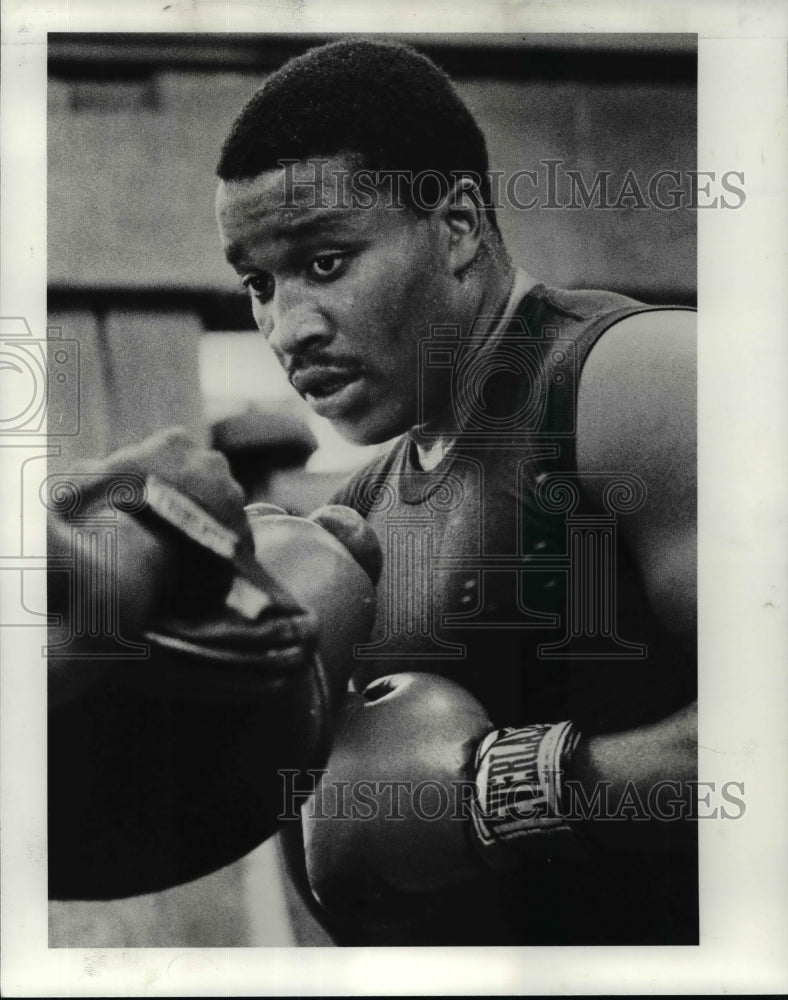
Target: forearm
(636, 787)
(548, 791)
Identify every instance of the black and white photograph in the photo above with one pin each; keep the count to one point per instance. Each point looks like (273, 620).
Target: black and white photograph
(373, 525)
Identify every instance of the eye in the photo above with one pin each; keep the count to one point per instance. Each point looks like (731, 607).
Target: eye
(327, 265)
(261, 286)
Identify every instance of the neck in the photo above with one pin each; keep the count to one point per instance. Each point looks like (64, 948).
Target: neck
(495, 294)
(434, 437)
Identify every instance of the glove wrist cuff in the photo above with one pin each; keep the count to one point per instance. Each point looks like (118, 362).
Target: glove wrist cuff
(518, 809)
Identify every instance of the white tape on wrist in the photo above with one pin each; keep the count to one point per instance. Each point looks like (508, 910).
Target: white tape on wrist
(518, 810)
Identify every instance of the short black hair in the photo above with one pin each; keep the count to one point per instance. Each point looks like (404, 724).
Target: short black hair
(383, 101)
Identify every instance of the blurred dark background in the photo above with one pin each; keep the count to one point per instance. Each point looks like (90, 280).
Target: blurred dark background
(137, 277)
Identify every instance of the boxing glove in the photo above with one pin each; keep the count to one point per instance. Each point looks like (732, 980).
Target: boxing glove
(226, 655)
(391, 813)
(113, 564)
(169, 768)
(350, 528)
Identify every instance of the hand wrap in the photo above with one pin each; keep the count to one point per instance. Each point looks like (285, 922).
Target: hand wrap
(519, 808)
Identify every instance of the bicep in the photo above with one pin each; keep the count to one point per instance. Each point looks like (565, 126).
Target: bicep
(637, 414)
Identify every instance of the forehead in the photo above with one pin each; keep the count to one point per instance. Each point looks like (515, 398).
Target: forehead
(295, 201)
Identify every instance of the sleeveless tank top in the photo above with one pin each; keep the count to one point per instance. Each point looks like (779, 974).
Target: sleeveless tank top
(497, 573)
(501, 576)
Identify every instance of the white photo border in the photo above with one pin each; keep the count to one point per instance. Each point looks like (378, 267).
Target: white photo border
(743, 416)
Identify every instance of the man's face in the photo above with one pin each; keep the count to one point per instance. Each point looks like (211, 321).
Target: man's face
(342, 294)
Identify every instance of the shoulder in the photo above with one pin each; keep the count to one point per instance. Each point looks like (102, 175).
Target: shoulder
(636, 415)
(580, 304)
(636, 395)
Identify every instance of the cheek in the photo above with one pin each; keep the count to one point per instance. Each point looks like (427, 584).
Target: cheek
(365, 310)
(260, 316)
(397, 291)
(384, 311)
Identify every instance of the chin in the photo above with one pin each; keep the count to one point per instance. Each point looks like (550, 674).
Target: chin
(371, 431)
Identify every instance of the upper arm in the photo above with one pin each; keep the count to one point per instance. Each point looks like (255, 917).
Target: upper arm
(637, 414)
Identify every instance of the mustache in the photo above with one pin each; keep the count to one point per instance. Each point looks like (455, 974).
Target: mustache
(319, 359)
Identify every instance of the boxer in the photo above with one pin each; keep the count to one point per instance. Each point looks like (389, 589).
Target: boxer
(536, 513)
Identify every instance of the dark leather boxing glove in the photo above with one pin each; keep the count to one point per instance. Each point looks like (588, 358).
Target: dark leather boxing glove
(390, 816)
(350, 528)
(168, 769)
(114, 564)
(234, 654)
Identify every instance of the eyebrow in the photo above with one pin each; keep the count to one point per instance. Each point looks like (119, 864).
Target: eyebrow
(324, 218)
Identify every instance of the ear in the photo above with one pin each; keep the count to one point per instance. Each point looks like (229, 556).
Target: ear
(462, 215)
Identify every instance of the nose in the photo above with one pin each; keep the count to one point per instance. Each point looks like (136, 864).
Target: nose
(296, 326)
